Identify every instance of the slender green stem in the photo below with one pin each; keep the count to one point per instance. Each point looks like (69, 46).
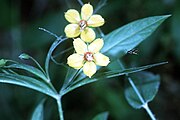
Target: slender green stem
(100, 32)
(70, 81)
(52, 34)
(38, 64)
(80, 2)
(64, 51)
(61, 117)
(52, 48)
(146, 107)
(144, 104)
(136, 90)
(100, 5)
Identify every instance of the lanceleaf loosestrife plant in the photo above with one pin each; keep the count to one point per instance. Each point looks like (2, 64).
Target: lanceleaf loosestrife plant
(90, 52)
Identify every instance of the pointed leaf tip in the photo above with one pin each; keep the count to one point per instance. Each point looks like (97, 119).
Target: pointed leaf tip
(101, 116)
(38, 111)
(125, 38)
(167, 15)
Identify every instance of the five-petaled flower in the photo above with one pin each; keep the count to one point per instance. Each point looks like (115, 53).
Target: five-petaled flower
(82, 24)
(87, 56)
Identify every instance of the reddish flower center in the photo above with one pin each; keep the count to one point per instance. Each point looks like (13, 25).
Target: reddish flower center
(88, 56)
(83, 24)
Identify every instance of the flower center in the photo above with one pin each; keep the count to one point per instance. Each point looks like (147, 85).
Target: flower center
(88, 56)
(83, 24)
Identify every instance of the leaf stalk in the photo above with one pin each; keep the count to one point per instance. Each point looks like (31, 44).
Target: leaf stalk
(59, 103)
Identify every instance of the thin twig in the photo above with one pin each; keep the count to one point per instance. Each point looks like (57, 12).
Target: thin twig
(100, 32)
(144, 104)
(135, 89)
(59, 103)
(57, 63)
(80, 2)
(100, 5)
(60, 53)
(146, 107)
(38, 65)
(45, 30)
(70, 82)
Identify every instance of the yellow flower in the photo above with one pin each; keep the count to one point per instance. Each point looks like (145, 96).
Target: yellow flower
(87, 56)
(82, 24)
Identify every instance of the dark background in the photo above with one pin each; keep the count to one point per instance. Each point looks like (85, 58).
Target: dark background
(19, 23)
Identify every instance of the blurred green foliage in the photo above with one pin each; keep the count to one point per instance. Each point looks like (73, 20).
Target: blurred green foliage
(19, 23)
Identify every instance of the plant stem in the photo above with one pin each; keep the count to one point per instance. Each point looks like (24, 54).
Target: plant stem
(37, 64)
(136, 90)
(144, 104)
(61, 117)
(80, 2)
(52, 34)
(100, 32)
(146, 107)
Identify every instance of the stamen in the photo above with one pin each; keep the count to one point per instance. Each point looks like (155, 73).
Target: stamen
(88, 56)
(83, 24)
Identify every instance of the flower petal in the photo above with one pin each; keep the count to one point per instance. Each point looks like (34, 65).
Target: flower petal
(72, 16)
(101, 59)
(95, 21)
(89, 69)
(96, 45)
(86, 11)
(72, 30)
(79, 46)
(75, 61)
(88, 35)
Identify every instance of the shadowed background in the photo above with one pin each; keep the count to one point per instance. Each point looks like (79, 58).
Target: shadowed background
(19, 23)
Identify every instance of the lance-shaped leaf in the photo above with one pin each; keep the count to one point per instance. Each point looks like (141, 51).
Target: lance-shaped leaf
(106, 75)
(38, 111)
(147, 85)
(121, 40)
(28, 82)
(30, 69)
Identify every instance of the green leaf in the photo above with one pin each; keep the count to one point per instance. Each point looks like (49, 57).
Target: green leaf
(28, 82)
(120, 41)
(71, 73)
(26, 56)
(30, 69)
(147, 85)
(109, 74)
(3, 62)
(101, 116)
(38, 111)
